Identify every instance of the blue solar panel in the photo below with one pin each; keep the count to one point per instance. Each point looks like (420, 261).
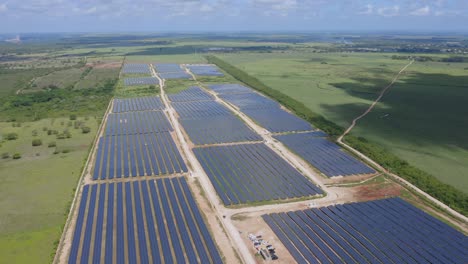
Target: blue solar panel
(323, 154)
(230, 88)
(137, 155)
(137, 123)
(167, 67)
(150, 216)
(250, 101)
(175, 75)
(277, 120)
(200, 109)
(193, 93)
(141, 81)
(137, 104)
(383, 231)
(136, 68)
(205, 70)
(252, 173)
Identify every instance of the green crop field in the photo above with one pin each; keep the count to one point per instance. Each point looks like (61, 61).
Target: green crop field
(423, 118)
(36, 189)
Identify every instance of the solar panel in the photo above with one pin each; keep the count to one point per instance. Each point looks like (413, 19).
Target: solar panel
(192, 93)
(205, 70)
(136, 68)
(323, 154)
(141, 81)
(382, 231)
(247, 173)
(147, 214)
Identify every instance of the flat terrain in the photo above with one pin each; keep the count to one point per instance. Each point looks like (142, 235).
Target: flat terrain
(422, 119)
(35, 190)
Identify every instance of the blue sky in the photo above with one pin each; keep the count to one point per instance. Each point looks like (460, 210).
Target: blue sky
(231, 15)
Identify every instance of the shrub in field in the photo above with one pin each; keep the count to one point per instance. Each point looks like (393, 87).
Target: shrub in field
(73, 117)
(11, 136)
(16, 156)
(65, 151)
(85, 129)
(5, 155)
(52, 144)
(36, 142)
(34, 133)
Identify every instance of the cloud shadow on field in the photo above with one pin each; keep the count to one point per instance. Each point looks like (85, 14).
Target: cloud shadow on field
(421, 108)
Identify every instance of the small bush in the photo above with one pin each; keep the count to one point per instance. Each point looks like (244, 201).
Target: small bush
(45, 129)
(56, 152)
(11, 136)
(65, 151)
(36, 142)
(52, 144)
(16, 156)
(5, 155)
(85, 130)
(69, 123)
(73, 117)
(34, 133)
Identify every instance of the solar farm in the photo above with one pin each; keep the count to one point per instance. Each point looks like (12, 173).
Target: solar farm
(146, 201)
(381, 231)
(324, 155)
(154, 221)
(204, 70)
(140, 81)
(252, 173)
(192, 93)
(171, 71)
(209, 122)
(137, 104)
(136, 68)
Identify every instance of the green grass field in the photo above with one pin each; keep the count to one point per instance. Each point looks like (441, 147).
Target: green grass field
(61, 79)
(97, 77)
(422, 119)
(36, 189)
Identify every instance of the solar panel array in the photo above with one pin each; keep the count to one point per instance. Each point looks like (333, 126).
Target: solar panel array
(252, 173)
(384, 231)
(277, 120)
(137, 104)
(192, 93)
(171, 71)
(153, 221)
(167, 67)
(205, 70)
(324, 155)
(200, 109)
(230, 88)
(218, 129)
(141, 81)
(209, 122)
(250, 100)
(264, 111)
(137, 155)
(175, 75)
(137, 123)
(136, 68)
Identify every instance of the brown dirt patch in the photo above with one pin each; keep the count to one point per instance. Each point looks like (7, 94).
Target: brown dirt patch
(377, 191)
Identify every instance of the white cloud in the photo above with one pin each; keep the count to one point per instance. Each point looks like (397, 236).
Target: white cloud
(389, 11)
(3, 7)
(206, 8)
(367, 10)
(423, 11)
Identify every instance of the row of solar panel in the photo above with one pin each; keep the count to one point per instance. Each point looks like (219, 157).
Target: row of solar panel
(167, 67)
(252, 173)
(209, 122)
(137, 104)
(137, 155)
(204, 70)
(137, 123)
(192, 93)
(323, 154)
(141, 81)
(383, 231)
(136, 68)
(326, 156)
(153, 221)
(218, 129)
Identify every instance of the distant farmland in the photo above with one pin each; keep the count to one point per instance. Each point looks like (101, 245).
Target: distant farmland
(422, 119)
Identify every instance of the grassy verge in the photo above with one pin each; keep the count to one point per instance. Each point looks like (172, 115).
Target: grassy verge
(447, 194)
